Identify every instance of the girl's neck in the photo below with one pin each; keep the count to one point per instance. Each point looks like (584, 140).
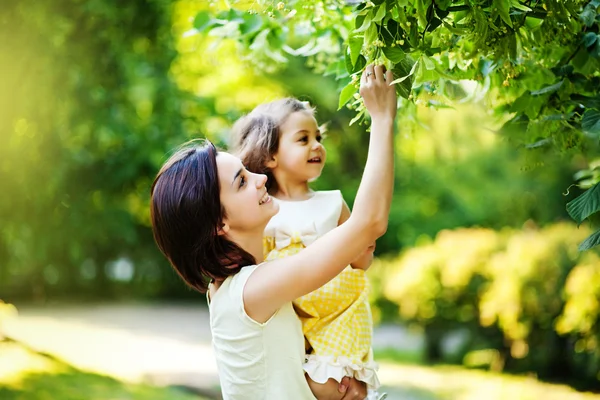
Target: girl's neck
(293, 191)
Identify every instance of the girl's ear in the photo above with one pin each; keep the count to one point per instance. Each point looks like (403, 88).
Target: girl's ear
(272, 163)
(223, 229)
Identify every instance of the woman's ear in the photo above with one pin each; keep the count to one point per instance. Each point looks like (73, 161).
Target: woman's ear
(223, 229)
(272, 163)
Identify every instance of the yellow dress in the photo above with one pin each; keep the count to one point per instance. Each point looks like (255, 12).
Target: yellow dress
(336, 318)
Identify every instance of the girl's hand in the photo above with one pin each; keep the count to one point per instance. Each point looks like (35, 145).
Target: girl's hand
(379, 96)
(355, 390)
(347, 389)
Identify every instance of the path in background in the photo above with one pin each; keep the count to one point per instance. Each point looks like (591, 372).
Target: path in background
(164, 344)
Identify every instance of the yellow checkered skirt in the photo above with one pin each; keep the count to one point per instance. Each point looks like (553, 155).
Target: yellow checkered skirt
(336, 322)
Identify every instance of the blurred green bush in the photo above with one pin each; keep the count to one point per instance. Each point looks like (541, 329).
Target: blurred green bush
(522, 300)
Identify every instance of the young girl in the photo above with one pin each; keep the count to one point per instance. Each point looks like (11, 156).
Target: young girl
(282, 140)
(208, 217)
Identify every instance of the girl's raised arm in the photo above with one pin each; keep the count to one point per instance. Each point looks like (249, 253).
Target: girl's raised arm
(277, 282)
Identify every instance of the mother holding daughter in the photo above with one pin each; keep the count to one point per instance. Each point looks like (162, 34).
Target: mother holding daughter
(208, 216)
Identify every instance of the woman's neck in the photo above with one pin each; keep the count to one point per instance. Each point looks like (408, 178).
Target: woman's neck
(250, 242)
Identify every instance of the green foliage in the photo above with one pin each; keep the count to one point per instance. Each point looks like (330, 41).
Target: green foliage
(529, 295)
(539, 62)
(89, 90)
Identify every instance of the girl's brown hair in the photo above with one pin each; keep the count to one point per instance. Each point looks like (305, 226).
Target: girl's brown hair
(255, 137)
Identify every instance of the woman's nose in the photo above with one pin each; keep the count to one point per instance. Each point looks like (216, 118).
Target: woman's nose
(261, 180)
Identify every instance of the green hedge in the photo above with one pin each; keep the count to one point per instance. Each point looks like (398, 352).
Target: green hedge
(528, 299)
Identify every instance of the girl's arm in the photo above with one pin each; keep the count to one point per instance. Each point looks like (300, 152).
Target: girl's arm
(366, 258)
(275, 283)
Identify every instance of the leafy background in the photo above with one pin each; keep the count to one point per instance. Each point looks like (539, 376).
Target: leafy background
(498, 128)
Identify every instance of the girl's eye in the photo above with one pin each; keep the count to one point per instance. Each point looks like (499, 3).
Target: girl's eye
(319, 138)
(242, 181)
(304, 139)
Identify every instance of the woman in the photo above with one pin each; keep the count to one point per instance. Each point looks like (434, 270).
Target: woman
(208, 216)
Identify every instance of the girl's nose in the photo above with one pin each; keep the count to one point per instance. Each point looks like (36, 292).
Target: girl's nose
(317, 145)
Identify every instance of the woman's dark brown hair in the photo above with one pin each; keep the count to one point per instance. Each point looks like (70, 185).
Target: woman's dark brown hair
(186, 212)
(255, 137)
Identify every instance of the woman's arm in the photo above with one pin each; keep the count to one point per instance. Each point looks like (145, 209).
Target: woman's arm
(365, 260)
(277, 282)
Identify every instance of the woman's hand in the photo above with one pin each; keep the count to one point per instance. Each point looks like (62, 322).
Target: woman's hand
(379, 96)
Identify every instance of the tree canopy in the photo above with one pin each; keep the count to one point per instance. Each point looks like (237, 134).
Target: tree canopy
(536, 61)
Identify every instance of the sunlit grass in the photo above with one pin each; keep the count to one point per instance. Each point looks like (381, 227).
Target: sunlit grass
(27, 375)
(403, 378)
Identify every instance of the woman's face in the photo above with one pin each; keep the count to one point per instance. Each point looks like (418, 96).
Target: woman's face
(248, 206)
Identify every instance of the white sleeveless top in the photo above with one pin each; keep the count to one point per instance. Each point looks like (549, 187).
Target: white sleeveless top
(307, 219)
(256, 361)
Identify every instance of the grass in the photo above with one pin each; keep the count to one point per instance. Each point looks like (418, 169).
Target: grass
(28, 375)
(405, 378)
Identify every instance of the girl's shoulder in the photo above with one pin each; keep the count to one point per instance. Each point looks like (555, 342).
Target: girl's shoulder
(333, 195)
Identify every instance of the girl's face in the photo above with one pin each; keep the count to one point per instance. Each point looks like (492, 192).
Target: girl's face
(301, 155)
(244, 196)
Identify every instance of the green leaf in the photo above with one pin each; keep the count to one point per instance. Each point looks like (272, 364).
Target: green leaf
(587, 102)
(424, 74)
(380, 14)
(516, 4)
(360, 19)
(404, 71)
(522, 103)
(589, 39)
(361, 62)
(203, 21)
(366, 24)
(346, 94)
(394, 54)
(357, 117)
(404, 77)
(252, 23)
(595, 51)
(503, 7)
(548, 89)
(433, 24)
(454, 29)
(588, 16)
(592, 241)
(371, 34)
(355, 43)
(590, 123)
(429, 64)
(585, 205)
(422, 6)
(532, 22)
(413, 35)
